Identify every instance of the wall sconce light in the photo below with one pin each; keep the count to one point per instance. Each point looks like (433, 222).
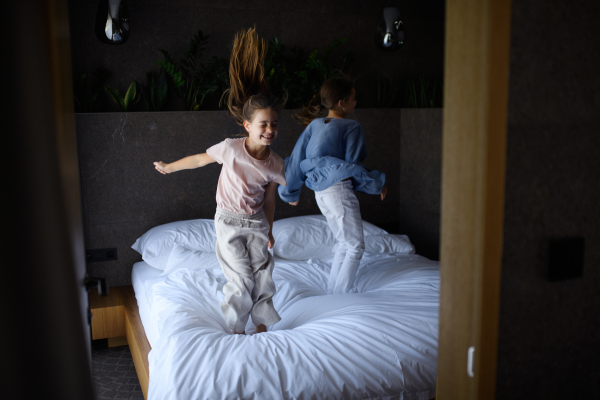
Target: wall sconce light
(112, 22)
(390, 29)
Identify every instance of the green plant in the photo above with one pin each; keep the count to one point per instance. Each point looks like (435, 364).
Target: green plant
(387, 91)
(215, 78)
(87, 89)
(316, 69)
(276, 71)
(296, 77)
(194, 81)
(155, 91)
(423, 93)
(130, 98)
(323, 65)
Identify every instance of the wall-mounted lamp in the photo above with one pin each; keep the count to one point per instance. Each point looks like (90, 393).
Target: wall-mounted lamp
(390, 29)
(112, 22)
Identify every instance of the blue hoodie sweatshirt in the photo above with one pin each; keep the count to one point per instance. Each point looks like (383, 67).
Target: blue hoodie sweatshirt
(327, 153)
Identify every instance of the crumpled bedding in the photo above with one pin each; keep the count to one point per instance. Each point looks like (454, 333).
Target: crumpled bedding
(377, 343)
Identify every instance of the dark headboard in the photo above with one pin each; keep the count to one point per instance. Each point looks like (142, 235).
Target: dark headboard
(123, 196)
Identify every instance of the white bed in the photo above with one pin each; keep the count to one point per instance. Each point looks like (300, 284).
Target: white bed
(377, 343)
(142, 274)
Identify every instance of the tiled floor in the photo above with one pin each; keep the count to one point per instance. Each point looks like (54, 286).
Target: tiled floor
(113, 372)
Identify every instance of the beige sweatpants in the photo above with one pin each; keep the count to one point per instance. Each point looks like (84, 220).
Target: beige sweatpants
(242, 250)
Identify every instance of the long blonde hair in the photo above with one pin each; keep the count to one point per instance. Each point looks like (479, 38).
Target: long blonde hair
(248, 91)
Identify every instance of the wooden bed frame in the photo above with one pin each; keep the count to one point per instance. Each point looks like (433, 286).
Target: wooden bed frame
(136, 337)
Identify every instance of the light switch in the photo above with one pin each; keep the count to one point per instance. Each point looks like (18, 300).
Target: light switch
(565, 258)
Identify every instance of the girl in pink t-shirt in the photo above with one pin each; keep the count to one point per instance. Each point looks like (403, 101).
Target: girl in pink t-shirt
(246, 190)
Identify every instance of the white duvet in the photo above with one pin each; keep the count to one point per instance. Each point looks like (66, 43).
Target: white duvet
(377, 343)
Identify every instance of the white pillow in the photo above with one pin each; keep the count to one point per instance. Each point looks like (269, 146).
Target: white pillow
(301, 238)
(156, 244)
(370, 229)
(388, 243)
(297, 238)
(182, 257)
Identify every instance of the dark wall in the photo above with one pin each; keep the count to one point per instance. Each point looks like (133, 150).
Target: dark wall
(123, 196)
(549, 337)
(160, 24)
(420, 178)
(119, 187)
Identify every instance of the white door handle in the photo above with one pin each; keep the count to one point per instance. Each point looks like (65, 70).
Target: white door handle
(470, 354)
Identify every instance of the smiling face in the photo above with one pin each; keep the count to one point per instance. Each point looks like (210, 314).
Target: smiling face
(262, 130)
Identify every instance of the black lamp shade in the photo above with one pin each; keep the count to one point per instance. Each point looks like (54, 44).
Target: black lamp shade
(390, 29)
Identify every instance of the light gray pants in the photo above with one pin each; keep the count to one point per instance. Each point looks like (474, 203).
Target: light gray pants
(242, 250)
(339, 205)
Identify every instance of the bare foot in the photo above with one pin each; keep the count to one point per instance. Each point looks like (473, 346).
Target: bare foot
(239, 333)
(261, 328)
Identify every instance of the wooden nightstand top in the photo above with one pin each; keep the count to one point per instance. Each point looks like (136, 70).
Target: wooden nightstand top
(114, 298)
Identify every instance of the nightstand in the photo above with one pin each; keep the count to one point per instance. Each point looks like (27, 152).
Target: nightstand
(108, 321)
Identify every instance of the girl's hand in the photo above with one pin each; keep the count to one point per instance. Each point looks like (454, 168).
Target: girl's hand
(294, 203)
(271, 240)
(161, 167)
(383, 192)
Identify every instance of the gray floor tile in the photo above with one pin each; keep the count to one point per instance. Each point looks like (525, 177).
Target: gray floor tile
(113, 373)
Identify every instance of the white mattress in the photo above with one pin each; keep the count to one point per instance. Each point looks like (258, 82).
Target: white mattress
(140, 275)
(378, 343)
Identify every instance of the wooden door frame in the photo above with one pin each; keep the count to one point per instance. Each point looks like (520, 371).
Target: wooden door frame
(477, 58)
(44, 336)
(61, 78)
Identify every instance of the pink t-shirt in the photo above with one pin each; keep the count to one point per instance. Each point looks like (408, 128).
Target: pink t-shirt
(243, 178)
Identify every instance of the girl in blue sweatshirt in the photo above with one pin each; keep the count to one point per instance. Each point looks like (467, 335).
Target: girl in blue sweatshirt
(328, 157)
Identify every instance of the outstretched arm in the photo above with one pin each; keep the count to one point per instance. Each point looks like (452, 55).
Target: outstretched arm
(190, 162)
(269, 209)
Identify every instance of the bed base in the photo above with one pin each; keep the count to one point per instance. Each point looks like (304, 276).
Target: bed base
(136, 337)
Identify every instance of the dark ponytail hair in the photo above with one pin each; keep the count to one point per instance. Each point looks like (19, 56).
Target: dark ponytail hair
(248, 91)
(332, 91)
